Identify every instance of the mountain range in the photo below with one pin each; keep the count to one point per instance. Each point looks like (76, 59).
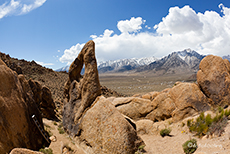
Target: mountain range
(177, 62)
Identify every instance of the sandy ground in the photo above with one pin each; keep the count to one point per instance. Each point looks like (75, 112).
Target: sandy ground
(61, 139)
(155, 144)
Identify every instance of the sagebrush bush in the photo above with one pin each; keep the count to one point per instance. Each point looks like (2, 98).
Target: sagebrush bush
(207, 125)
(140, 149)
(46, 151)
(165, 132)
(190, 146)
(60, 129)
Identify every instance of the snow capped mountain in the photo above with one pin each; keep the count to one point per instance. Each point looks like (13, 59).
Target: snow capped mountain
(176, 62)
(66, 68)
(227, 57)
(124, 64)
(181, 61)
(119, 65)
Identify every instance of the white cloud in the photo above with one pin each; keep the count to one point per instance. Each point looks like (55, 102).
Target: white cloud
(8, 8)
(179, 21)
(44, 64)
(146, 26)
(19, 7)
(207, 33)
(132, 25)
(71, 54)
(29, 7)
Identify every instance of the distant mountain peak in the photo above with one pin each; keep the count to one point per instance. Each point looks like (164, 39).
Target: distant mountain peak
(185, 60)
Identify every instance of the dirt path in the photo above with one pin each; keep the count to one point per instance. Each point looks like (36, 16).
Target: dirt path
(61, 139)
(155, 144)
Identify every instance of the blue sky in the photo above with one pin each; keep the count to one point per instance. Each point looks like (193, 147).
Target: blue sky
(52, 32)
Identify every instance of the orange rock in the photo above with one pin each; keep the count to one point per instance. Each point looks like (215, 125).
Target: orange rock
(214, 79)
(16, 108)
(81, 91)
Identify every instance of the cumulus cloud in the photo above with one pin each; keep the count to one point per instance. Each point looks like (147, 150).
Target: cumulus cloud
(71, 54)
(207, 33)
(19, 7)
(132, 25)
(180, 21)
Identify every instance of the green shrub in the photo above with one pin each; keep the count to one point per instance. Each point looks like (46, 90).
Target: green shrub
(165, 132)
(200, 127)
(207, 125)
(46, 151)
(60, 129)
(190, 146)
(220, 109)
(140, 149)
(227, 113)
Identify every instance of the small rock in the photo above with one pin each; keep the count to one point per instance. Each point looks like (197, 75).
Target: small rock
(205, 137)
(53, 138)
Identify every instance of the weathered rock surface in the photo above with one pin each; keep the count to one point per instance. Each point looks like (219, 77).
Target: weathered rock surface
(80, 91)
(43, 98)
(179, 102)
(150, 95)
(104, 130)
(133, 107)
(16, 109)
(144, 126)
(98, 125)
(12, 65)
(24, 151)
(47, 105)
(214, 79)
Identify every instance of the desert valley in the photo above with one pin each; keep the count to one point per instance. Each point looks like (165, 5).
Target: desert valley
(177, 104)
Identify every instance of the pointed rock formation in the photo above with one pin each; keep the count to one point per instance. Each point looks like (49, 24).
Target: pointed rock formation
(98, 125)
(80, 91)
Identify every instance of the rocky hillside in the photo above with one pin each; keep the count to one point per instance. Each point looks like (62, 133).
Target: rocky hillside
(55, 81)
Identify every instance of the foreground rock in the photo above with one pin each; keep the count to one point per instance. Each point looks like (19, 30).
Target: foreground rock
(43, 98)
(214, 79)
(133, 107)
(80, 92)
(24, 151)
(16, 109)
(179, 102)
(104, 130)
